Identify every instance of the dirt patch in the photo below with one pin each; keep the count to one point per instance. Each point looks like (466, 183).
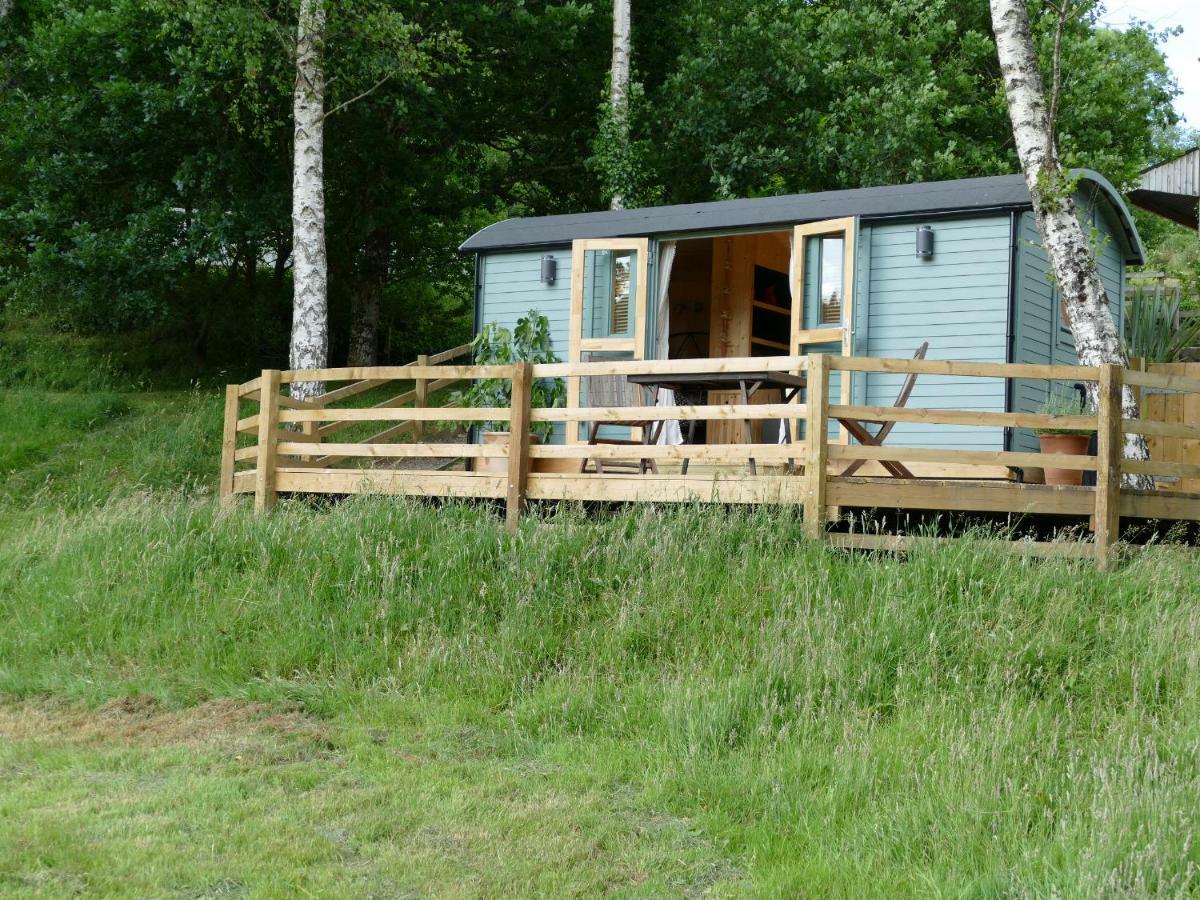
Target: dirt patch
(143, 721)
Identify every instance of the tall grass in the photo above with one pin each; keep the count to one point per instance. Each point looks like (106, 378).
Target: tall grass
(958, 721)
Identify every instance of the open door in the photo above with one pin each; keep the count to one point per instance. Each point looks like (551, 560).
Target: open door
(609, 287)
(823, 294)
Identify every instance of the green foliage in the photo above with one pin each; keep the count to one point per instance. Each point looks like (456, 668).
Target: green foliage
(771, 98)
(1155, 331)
(528, 342)
(621, 162)
(1063, 401)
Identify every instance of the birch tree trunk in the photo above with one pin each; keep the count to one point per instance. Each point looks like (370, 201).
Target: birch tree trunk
(619, 80)
(310, 303)
(1075, 271)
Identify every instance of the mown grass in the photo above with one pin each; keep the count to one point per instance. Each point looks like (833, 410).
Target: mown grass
(723, 706)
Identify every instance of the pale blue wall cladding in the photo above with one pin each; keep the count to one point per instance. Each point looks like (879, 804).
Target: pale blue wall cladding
(511, 285)
(958, 301)
(1040, 334)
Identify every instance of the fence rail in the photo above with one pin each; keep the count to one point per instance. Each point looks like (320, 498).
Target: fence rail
(283, 446)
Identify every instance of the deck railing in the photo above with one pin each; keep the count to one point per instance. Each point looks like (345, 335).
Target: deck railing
(287, 444)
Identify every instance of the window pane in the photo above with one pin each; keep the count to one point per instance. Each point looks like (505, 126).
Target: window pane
(609, 288)
(622, 284)
(832, 252)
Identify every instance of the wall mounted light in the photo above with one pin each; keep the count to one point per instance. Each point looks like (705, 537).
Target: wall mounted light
(924, 242)
(549, 269)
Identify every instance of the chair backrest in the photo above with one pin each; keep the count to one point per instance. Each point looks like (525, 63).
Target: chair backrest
(910, 382)
(611, 390)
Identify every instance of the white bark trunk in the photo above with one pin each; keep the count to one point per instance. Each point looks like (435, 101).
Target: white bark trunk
(618, 97)
(1078, 279)
(310, 304)
(6, 6)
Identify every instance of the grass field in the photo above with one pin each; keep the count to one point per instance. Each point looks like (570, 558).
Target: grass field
(383, 698)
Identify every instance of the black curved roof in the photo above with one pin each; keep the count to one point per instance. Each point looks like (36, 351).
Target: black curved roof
(924, 198)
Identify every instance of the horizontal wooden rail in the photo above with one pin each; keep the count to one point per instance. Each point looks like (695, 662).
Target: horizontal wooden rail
(1161, 429)
(1161, 381)
(895, 453)
(963, 368)
(392, 403)
(427, 414)
(657, 413)
(961, 417)
(1152, 467)
(401, 451)
(394, 373)
(736, 454)
(672, 366)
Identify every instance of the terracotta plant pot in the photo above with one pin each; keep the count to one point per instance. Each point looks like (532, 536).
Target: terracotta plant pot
(1074, 444)
(498, 464)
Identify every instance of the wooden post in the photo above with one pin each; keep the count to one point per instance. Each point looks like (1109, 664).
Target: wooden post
(817, 452)
(229, 444)
(268, 424)
(1107, 519)
(420, 398)
(518, 442)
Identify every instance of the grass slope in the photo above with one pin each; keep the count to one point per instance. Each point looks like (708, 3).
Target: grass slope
(386, 698)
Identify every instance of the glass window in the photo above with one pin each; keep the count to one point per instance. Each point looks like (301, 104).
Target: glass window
(609, 291)
(832, 261)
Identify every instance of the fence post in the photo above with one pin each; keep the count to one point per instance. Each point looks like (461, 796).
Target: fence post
(817, 450)
(420, 399)
(518, 442)
(229, 436)
(1109, 446)
(268, 424)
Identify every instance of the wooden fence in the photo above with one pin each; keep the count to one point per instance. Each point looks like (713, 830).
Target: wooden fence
(288, 450)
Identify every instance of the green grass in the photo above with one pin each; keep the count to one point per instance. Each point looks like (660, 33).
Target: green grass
(389, 698)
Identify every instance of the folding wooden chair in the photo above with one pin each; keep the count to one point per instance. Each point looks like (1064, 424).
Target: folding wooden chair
(617, 391)
(857, 430)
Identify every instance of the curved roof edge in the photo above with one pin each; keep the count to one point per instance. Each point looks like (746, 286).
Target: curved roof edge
(1136, 254)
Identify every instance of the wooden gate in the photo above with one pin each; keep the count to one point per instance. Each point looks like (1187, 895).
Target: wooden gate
(1176, 409)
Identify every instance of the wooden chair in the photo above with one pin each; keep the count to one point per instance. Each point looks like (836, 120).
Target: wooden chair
(617, 391)
(857, 429)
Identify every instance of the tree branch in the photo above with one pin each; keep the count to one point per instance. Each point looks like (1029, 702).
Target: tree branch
(365, 93)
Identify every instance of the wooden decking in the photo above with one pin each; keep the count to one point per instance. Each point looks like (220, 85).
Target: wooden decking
(292, 449)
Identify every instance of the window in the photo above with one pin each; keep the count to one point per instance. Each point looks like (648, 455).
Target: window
(831, 268)
(622, 282)
(610, 286)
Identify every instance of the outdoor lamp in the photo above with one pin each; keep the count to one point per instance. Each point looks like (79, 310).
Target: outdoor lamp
(549, 269)
(924, 242)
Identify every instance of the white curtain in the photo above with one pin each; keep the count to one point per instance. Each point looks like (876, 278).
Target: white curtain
(671, 432)
(782, 439)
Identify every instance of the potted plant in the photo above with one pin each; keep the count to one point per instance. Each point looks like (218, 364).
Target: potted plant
(1064, 440)
(529, 341)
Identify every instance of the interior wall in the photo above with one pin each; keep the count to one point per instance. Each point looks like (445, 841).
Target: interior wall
(731, 313)
(690, 297)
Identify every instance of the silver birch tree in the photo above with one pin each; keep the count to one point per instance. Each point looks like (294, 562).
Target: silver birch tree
(1075, 271)
(310, 301)
(618, 96)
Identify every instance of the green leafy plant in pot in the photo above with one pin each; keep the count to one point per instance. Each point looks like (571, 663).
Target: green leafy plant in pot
(529, 341)
(1064, 440)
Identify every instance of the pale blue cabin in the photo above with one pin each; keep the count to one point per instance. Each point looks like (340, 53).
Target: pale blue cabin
(879, 271)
